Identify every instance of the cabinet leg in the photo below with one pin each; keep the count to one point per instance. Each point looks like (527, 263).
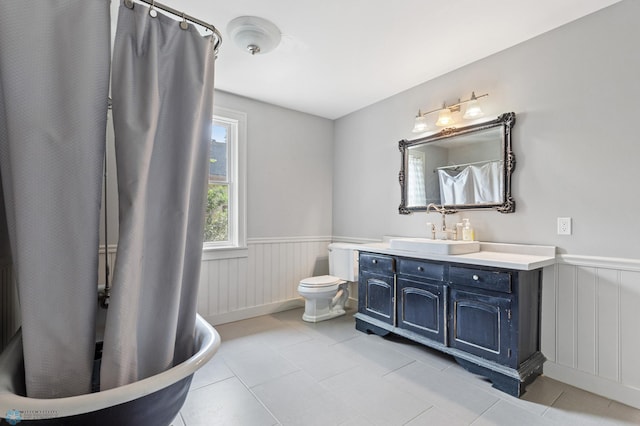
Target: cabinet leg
(365, 327)
(511, 385)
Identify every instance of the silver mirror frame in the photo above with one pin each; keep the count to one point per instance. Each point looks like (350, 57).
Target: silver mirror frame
(506, 121)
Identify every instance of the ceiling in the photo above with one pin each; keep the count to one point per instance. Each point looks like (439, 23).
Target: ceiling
(337, 56)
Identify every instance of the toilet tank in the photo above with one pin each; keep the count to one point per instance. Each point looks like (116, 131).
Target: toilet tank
(343, 261)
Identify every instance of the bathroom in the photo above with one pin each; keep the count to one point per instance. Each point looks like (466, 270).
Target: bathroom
(314, 180)
(572, 161)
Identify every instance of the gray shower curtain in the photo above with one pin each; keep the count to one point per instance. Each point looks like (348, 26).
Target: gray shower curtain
(54, 74)
(162, 89)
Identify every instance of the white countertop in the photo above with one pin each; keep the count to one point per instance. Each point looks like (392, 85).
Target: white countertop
(512, 256)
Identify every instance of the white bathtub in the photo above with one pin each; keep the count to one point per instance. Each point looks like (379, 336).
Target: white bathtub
(153, 401)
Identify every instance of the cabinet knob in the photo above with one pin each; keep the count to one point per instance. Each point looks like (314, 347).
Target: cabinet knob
(374, 261)
(420, 268)
(476, 278)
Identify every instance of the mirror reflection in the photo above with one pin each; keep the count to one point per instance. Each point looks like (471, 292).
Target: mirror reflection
(463, 168)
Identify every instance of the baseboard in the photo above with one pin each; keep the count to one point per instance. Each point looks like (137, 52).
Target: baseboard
(254, 311)
(609, 389)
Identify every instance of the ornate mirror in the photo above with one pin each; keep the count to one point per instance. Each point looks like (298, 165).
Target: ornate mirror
(459, 168)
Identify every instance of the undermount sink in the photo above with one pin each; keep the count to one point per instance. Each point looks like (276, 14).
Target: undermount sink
(425, 245)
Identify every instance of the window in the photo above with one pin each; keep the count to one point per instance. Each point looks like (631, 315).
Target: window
(225, 219)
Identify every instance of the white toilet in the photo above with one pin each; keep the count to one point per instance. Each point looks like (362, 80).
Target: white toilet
(325, 296)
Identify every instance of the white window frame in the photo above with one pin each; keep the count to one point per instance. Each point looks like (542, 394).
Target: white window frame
(236, 246)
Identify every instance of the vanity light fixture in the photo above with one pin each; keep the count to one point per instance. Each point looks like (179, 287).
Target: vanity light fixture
(445, 118)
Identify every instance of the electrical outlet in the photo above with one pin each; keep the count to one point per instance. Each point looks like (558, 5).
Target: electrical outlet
(564, 226)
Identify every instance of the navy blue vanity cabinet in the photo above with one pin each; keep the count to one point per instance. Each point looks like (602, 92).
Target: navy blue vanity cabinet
(481, 312)
(487, 318)
(421, 294)
(376, 287)
(481, 325)
(494, 314)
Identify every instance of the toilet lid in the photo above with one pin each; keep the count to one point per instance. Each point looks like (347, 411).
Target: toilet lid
(321, 281)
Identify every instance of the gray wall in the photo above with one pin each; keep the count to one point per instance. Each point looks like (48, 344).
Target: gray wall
(575, 92)
(289, 161)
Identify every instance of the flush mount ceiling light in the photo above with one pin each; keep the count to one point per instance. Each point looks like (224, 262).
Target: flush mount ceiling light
(445, 118)
(253, 34)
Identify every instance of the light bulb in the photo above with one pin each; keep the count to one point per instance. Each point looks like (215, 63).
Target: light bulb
(473, 110)
(444, 118)
(420, 124)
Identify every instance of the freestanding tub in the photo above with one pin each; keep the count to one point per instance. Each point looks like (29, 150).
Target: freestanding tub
(155, 400)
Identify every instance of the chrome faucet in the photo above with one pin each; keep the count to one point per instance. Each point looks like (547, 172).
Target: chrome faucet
(444, 230)
(441, 210)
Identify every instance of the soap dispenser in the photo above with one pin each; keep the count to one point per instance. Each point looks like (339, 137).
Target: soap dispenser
(467, 231)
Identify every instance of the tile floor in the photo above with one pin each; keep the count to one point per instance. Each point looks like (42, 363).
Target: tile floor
(278, 370)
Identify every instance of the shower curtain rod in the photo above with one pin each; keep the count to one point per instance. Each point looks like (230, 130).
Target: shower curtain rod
(453, 166)
(155, 4)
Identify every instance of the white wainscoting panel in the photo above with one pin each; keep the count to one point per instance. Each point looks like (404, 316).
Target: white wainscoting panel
(262, 282)
(591, 325)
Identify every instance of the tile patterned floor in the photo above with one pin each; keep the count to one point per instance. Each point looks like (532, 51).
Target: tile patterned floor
(278, 370)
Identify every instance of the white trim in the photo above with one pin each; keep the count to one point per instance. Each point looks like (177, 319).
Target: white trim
(605, 387)
(237, 182)
(224, 253)
(272, 240)
(255, 311)
(213, 253)
(617, 263)
(354, 240)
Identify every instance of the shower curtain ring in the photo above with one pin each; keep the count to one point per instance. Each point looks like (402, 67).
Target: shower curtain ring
(184, 24)
(128, 3)
(152, 10)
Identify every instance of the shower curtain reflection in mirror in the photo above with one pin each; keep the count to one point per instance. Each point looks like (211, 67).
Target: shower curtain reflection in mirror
(416, 191)
(474, 184)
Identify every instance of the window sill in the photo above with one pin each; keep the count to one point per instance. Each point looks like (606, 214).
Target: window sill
(224, 252)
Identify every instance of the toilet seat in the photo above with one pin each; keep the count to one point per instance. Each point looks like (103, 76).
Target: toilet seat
(321, 281)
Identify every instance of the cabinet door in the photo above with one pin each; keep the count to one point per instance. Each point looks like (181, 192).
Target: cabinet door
(375, 296)
(480, 325)
(421, 308)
